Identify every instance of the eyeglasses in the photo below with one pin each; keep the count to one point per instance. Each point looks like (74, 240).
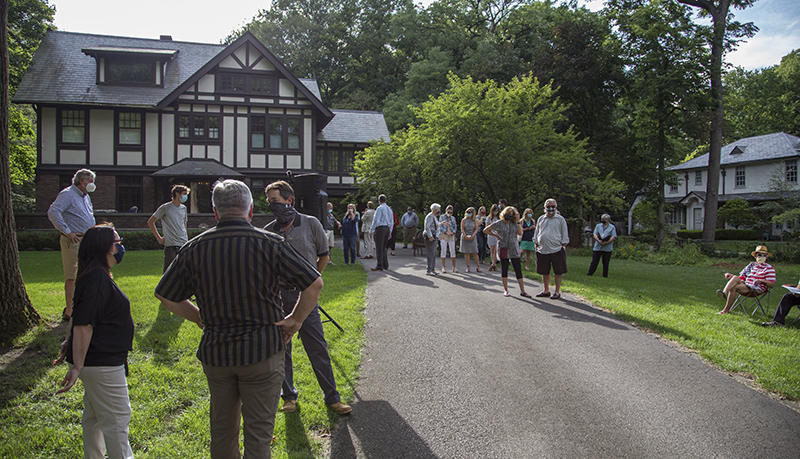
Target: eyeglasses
(117, 240)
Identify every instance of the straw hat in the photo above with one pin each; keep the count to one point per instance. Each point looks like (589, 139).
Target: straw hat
(761, 249)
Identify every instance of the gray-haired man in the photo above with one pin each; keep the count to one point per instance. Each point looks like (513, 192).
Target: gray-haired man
(72, 214)
(235, 270)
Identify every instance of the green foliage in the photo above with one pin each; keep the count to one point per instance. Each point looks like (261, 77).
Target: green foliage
(49, 240)
(672, 253)
(737, 212)
(723, 235)
(28, 21)
(645, 214)
(476, 129)
(22, 143)
(629, 248)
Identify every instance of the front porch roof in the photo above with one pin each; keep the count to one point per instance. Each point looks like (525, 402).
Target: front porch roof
(189, 167)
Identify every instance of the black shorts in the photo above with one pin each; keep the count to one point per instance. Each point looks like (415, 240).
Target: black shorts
(557, 260)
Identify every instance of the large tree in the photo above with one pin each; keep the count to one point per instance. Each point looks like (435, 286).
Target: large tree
(664, 51)
(16, 312)
(724, 35)
(481, 141)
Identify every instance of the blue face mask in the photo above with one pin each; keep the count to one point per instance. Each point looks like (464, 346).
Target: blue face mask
(469, 214)
(120, 252)
(184, 197)
(330, 211)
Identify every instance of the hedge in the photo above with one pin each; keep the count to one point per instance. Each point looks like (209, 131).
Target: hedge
(723, 235)
(48, 240)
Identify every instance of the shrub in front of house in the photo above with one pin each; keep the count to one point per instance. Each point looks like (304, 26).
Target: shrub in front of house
(723, 234)
(48, 240)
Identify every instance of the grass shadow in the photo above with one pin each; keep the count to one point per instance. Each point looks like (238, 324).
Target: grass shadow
(21, 369)
(160, 336)
(297, 442)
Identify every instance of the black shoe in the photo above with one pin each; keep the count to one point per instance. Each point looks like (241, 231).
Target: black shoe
(722, 295)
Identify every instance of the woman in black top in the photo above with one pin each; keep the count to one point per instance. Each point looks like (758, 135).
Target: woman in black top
(101, 334)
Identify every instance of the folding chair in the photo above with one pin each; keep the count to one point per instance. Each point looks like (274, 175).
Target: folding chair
(741, 302)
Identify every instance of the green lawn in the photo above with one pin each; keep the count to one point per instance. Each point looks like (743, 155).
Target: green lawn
(680, 304)
(168, 391)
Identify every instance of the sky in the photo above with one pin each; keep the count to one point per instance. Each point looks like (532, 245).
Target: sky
(778, 21)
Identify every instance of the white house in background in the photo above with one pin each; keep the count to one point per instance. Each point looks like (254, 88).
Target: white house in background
(747, 168)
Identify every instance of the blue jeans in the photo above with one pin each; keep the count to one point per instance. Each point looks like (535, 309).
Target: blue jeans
(349, 244)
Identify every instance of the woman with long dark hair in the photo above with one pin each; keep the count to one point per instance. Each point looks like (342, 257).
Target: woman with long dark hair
(100, 336)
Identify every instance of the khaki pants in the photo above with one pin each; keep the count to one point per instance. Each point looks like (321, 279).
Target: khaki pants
(249, 392)
(69, 257)
(106, 413)
(408, 236)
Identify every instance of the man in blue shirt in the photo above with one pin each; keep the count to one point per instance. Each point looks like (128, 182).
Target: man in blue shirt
(382, 229)
(72, 214)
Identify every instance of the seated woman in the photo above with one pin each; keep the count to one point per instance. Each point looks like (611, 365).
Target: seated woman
(757, 277)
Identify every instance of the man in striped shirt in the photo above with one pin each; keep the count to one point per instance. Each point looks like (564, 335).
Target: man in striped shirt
(757, 277)
(234, 270)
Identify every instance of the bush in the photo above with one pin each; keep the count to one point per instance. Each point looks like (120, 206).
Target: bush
(723, 235)
(48, 240)
(628, 248)
(674, 253)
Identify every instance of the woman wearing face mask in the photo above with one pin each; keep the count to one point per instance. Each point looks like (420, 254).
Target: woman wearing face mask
(506, 231)
(447, 237)
(491, 241)
(349, 234)
(757, 277)
(469, 245)
(604, 236)
(526, 244)
(101, 334)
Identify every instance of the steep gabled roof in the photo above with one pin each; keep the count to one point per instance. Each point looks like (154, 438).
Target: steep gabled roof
(195, 167)
(770, 147)
(355, 126)
(62, 73)
(247, 37)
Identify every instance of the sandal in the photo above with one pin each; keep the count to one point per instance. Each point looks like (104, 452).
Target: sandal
(506, 294)
(478, 269)
(555, 296)
(542, 294)
(467, 269)
(525, 294)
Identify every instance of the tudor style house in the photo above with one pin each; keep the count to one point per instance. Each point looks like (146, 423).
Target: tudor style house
(145, 114)
(749, 169)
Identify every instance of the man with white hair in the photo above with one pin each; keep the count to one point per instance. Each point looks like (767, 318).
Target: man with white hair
(551, 237)
(431, 234)
(234, 271)
(72, 214)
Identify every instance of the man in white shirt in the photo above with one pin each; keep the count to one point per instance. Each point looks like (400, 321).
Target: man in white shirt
(173, 221)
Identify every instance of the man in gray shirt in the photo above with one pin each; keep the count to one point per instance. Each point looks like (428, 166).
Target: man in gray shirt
(551, 237)
(410, 221)
(173, 221)
(72, 214)
(306, 235)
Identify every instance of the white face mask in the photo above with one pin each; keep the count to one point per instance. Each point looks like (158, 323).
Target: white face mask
(761, 258)
(90, 187)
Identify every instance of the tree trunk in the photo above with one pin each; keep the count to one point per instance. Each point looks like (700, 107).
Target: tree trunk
(16, 312)
(720, 18)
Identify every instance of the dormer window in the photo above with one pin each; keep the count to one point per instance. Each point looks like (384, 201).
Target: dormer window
(130, 66)
(230, 83)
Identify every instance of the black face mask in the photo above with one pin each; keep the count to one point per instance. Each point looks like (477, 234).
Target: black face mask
(284, 213)
(120, 252)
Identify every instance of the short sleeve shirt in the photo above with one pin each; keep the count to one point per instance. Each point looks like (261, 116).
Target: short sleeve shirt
(234, 270)
(306, 235)
(507, 233)
(173, 221)
(99, 302)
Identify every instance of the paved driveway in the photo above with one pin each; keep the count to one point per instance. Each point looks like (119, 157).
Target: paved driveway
(452, 369)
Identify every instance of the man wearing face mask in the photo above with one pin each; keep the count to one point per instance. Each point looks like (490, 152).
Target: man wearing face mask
(431, 234)
(173, 221)
(551, 236)
(756, 278)
(306, 235)
(409, 222)
(72, 214)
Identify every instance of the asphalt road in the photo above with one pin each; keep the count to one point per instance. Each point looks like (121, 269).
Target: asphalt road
(452, 369)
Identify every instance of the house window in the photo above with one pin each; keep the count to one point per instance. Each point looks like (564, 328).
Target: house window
(698, 177)
(246, 84)
(348, 158)
(129, 193)
(198, 127)
(284, 133)
(73, 126)
(673, 187)
(739, 182)
(130, 71)
(320, 160)
(333, 160)
(129, 128)
(791, 171)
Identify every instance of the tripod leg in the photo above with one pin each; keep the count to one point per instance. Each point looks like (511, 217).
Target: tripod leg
(330, 319)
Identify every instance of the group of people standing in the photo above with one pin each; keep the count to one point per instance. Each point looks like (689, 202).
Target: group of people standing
(505, 233)
(249, 289)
